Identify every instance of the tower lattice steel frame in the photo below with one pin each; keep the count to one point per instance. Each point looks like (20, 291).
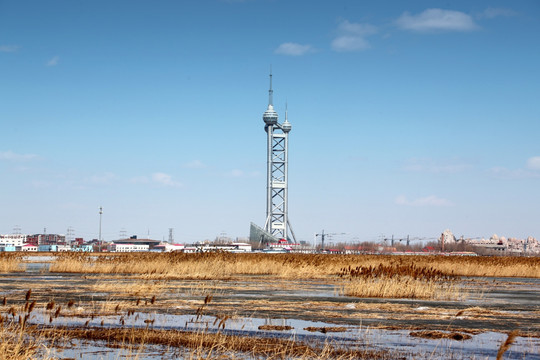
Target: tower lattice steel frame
(277, 219)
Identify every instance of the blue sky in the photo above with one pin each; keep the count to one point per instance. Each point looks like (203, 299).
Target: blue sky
(408, 117)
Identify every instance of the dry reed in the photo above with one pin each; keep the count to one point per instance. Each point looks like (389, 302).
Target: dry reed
(399, 281)
(203, 344)
(506, 345)
(11, 262)
(19, 343)
(286, 266)
(434, 334)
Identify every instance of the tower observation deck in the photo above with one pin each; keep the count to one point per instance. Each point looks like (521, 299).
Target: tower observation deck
(277, 219)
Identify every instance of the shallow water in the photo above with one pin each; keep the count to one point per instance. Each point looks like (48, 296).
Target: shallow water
(484, 345)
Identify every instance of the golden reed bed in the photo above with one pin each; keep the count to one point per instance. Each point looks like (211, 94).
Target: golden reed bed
(286, 266)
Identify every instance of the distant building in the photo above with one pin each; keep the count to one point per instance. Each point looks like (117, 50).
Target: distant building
(13, 239)
(54, 248)
(133, 240)
(83, 248)
(166, 247)
(242, 247)
(447, 238)
(127, 247)
(29, 247)
(46, 239)
(9, 248)
(232, 247)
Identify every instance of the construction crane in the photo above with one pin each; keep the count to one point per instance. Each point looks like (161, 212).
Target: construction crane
(323, 235)
(407, 239)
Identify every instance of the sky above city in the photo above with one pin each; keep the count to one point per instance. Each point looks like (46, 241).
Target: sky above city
(408, 117)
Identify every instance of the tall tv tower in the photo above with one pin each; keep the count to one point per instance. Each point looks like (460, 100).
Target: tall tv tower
(277, 220)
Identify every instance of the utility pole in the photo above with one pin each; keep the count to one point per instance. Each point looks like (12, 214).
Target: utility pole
(100, 215)
(69, 235)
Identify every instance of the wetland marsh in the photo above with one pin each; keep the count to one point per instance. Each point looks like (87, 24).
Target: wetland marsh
(246, 306)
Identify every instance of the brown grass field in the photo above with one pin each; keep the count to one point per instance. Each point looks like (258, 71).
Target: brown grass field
(286, 266)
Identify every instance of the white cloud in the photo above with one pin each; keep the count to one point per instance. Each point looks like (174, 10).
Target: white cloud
(352, 36)
(425, 201)
(531, 170)
(195, 164)
(437, 20)
(9, 48)
(54, 61)
(293, 49)
(491, 13)
(11, 156)
(451, 166)
(533, 163)
(165, 179)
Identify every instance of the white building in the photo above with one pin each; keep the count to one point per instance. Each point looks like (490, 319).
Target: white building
(173, 247)
(13, 239)
(127, 247)
(242, 247)
(447, 238)
(29, 247)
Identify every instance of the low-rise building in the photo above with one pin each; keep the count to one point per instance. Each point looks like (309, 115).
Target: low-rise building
(13, 239)
(29, 247)
(83, 248)
(9, 248)
(127, 247)
(54, 248)
(46, 239)
(166, 247)
(135, 241)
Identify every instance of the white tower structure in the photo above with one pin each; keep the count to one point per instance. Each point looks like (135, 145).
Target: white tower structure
(277, 219)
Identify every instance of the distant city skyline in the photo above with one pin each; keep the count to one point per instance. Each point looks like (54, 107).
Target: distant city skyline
(409, 118)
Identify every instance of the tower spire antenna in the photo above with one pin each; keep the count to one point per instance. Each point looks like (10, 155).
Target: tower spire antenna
(270, 91)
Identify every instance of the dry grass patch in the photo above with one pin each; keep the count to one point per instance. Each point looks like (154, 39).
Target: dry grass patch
(399, 281)
(480, 312)
(275, 327)
(434, 334)
(132, 288)
(18, 345)
(209, 345)
(401, 287)
(11, 262)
